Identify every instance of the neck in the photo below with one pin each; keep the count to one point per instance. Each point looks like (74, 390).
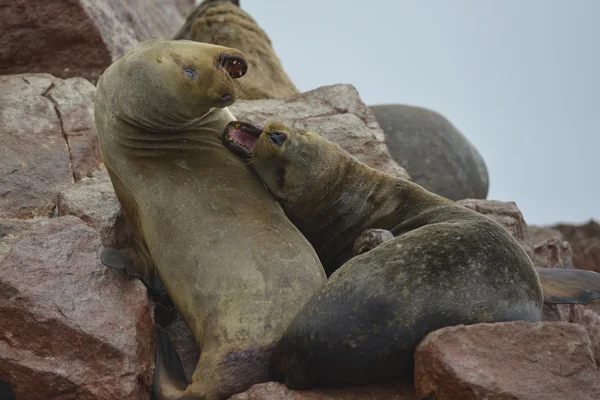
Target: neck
(355, 197)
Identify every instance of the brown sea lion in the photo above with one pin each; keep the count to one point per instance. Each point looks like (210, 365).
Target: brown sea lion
(234, 266)
(446, 265)
(223, 22)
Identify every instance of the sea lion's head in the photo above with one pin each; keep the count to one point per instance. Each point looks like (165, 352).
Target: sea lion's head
(293, 164)
(173, 82)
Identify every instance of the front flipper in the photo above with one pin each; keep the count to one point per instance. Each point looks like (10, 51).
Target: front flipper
(170, 382)
(133, 263)
(369, 239)
(569, 286)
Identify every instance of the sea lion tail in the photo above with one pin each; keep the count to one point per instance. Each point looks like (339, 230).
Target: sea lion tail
(569, 286)
(169, 377)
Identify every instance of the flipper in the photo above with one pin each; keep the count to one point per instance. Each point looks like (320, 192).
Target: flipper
(130, 260)
(169, 377)
(569, 286)
(369, 239)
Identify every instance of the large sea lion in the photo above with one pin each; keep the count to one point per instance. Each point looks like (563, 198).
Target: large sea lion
(234, 266)
(447, 264)
(223, 22)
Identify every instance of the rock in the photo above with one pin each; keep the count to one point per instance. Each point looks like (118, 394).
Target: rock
(71, 328)
(69, 38)
(511, 360)
(94, 201)
(47, 140)
(585, 242)
(540, 234)
(592, 325)
(506, 214)
(435, 154)
(278, 391)
(335, 112)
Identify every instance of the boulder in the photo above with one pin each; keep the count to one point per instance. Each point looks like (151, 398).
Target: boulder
(278, 391)
(70, 38)
(47, 141)
(540, 234)
(435, 154)
(335, 112)
(585, 243)
(71, 328)
(592, 325)
(511, 360)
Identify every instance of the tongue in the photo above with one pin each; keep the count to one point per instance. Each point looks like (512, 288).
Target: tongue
(243, 139)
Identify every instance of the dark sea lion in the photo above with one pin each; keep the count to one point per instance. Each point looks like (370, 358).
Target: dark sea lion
(223, 22)
(232, 263)
(446, 265)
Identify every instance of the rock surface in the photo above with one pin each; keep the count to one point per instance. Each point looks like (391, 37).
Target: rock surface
(71, 328)
(435, 154)
(278, 391)
(585, 243)
(47, 140)
(335, 112)
(512, 360)
(70, 38)
(506, 214)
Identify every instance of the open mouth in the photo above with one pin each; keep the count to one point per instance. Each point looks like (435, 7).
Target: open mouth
(235, 66)
(241, 137)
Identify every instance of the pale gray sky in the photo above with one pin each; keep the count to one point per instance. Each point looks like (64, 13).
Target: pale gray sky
(519, 78)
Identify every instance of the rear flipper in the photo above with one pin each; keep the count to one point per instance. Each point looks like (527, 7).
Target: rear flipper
(569, 286)
(169, 377)
(133, 263)
(369, 239)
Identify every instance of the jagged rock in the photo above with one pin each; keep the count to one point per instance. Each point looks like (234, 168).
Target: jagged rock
(71, 328)
(278, 391)
(585, 243)
(47, 140)
(507, 361)
(592, 325)
(335, 112)
(69, 38)
(94, 201)
(433, 151)
(540, 234)
(506, 214)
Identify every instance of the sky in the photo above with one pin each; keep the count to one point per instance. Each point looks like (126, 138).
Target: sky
(520, 79)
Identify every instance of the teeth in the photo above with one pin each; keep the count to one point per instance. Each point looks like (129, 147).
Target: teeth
(235, 62)
(237, 126)
(230, 139)
(241, 73)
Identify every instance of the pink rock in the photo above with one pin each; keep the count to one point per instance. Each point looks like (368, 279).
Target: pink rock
(69, 38)
(47, 141)
(278, 391)
(585, 242)
(335, 112)
(71, 328)
(502, 361)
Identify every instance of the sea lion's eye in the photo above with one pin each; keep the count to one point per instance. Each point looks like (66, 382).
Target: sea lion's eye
(281, 177)
(277, 138)
(190, 73)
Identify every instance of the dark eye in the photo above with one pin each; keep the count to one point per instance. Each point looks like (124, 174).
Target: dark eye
(190, 73)
(277, 138)
(281, 177)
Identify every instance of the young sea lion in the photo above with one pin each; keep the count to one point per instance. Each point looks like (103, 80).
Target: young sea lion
(234, 266)
(223, 22)
(447, 265)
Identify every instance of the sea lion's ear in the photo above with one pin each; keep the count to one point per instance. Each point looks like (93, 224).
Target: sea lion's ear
(169, 377)
(569, 286)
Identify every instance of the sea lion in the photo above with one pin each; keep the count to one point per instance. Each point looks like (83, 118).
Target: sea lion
(446, 265)
(223, 22)
(436, 155)
(232, 263)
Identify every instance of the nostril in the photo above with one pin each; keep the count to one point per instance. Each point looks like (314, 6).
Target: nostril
(277, 138)
(226, 97)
